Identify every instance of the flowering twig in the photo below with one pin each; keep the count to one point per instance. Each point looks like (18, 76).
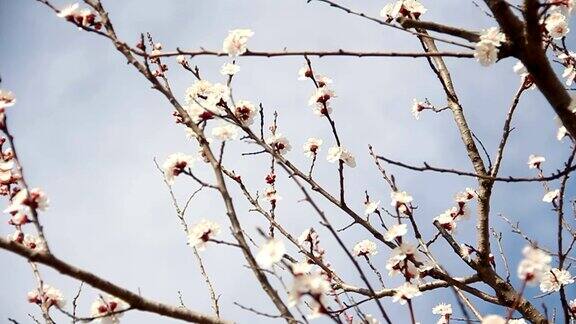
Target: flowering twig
(428, 167)
(385, 23)
(339, 52)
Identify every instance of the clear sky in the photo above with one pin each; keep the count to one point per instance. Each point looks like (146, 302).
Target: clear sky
(88, 126)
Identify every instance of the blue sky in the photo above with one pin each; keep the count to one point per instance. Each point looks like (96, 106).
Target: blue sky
(88, 126)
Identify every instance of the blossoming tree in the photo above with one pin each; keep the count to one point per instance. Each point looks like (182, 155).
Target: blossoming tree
(293, 269)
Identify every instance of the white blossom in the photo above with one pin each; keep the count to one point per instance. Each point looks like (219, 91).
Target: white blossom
(493, 319)
(555, 278)
(225, 132)
(202, 232)
(365, 248)
(7, 99)
(569, 74)
(486, 50)
(465, 251)
(557, 25)
(369, 319)
(301, 268)
(229, 69)
(337, 153)
(493, 35)
(486, 53)
(175, 164)
(562, 132)
(395, 231)
(404, 8)
(418, 107)
(321, 96)
(465, 196)
(34, 242)
(414, 7)
(181, 59)
(405, 292)
(520, 69)
(270, 253)
(391, 10)
(535, 161)
(236, 41)
(304, 72)
(517, 321)
(279, 143)
(446, 221)
(312, 146)
(322, 80)
(566, 6)
(371, 206)
(69, 11)
(396, 261)
(108, 305)
(400, 200)
(442, 309)
(551, 195)
(23, 201)
(534, 264)
(245, 112)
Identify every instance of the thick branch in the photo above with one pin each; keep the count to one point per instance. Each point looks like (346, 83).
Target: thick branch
(134, 300)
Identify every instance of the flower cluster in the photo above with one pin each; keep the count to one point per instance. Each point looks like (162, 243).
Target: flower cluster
(202, 232)
(449, 217)
(320, 98)
(486, 51)
(80, 17)
(108, 309)
(314, 285)
(403, 261)
(403, 8)
(204, 100)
